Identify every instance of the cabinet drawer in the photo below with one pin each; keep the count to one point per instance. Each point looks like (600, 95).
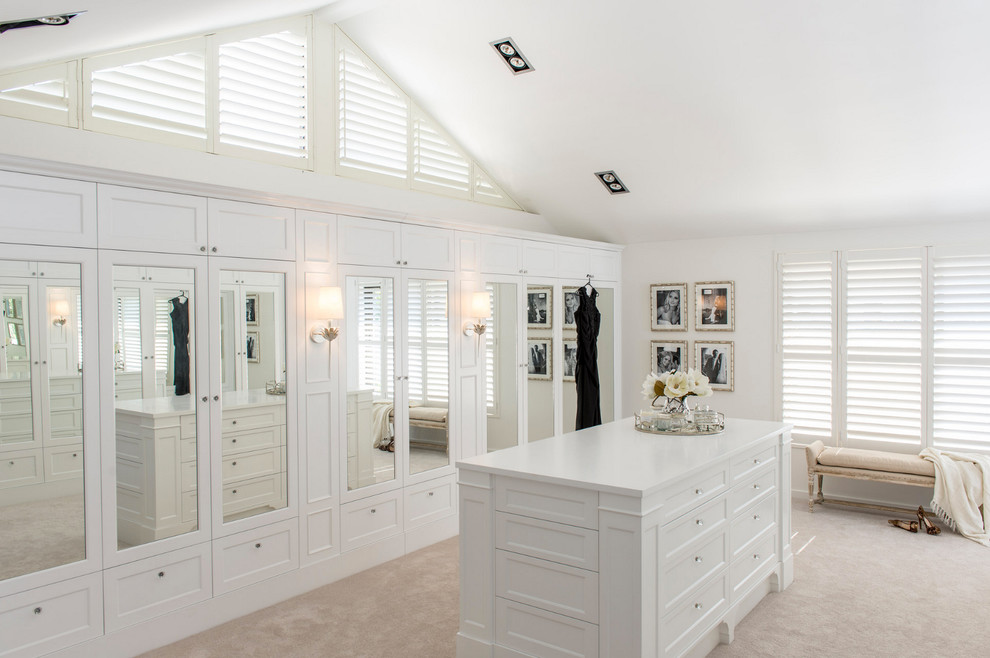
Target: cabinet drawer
(684, 575)
(752, 460)
(259, 492)
(188, 476)
(253, 556)
(248, 465)
(547, 585)
(691, 492)
(752, 522)
(66, 426)
(703, 522)
(370, 519)
(50, 618)
(187, 426)
(63, 463)
(149, 588)
(577, 547)
(748, 490)
(16, 428)
(265, 437)
(187, 449)
(536, 632)
(684, 624)
(65, 402)
(551, 502)
(20, 468)
(749, 564)
(429, 501)
(14, 406)
(253, 417)
(189, 501)
(16, 389)
(65, 386)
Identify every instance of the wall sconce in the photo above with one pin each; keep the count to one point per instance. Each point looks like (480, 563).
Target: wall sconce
(60, 310)
(330, 306)
(479, 309)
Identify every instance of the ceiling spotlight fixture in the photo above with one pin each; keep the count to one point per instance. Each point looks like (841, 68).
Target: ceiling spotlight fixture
(612, 182)
(511, 56)
(58, 19)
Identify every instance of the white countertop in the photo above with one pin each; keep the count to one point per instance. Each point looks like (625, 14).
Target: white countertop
(184, 404)
(617, 458)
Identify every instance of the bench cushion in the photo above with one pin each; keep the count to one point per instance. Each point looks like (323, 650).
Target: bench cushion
(430, 414)
(876, 460)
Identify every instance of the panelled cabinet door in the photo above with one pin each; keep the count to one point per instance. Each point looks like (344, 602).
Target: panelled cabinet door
(501, 255)
(573, 262)
(539, 258)
(251, 230)
(46, 210)
(428, 248)
(146, 220)
(367, 242)
(604, 264)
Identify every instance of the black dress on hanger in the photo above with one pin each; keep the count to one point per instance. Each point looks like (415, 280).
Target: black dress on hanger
(588, 319)
(180, 341)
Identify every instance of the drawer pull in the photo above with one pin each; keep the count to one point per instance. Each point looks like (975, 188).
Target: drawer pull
(756, 517)
(372, 510)
(757, 462)
(700, 522)
(430, 494)
(37, 610)
(11, 463)
(233, 422)
(233, 463)
(698, 606)
(161, 574)
(258, 545)
(756, 486)
(697, 558)
(75, 454)
(234, 491)
(756, 556)
(233, 440)
(698, 492)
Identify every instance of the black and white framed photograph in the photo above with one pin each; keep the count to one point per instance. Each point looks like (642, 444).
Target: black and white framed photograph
(714, 359)
(715, 306)
(667, 355)
(540, 358)
(251, 310)
(539, 307)
(571, 303)
(253, 347)
(570, 360)
(668, 307)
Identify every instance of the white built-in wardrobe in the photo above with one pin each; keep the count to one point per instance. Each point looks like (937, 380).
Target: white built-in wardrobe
(175, 450)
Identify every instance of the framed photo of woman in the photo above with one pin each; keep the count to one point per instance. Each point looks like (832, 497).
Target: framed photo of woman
(715, 306)
(668, 311)
(540, 359)
(667, 355)
(571, 303)
(570, 360)
(715, 361)
(539, 307)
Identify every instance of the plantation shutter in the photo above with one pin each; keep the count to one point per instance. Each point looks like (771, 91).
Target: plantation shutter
(491, 357)
(427, 342)
(884, 334)
(416, 341)
(79, 324)
(375, 338)
(127, 348)
(161, 98)
(262, 99)
(436, 162)
(45, 94)
(163, 339)
(807, 289)
(961, 355)
(373, 117)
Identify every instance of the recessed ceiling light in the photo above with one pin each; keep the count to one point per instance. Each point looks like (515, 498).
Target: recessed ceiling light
(612, 182)
(57, 19)
(514, 59)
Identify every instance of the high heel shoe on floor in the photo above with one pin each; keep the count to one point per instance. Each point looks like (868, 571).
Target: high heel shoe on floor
(910, 526)
(930, 527)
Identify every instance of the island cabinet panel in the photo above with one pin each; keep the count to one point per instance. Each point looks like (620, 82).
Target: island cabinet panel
(625, 548)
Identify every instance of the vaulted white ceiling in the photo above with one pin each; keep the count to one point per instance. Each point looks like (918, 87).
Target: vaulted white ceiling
(723, 117)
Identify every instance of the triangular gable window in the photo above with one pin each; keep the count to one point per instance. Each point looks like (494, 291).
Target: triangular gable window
(45, 94)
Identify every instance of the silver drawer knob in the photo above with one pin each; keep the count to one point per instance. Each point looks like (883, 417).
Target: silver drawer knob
(698, 492)
(37, 610)
(756, 517)
(700, 522)
(161, 574)
(756, 556)
(698, 606)
(233, 463)
(258, 545)
(757, 462)
(430, 494)
(697, 558)
(756, 486)
(372, 510)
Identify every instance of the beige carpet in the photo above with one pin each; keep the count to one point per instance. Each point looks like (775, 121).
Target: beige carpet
(41, 534)
(862, 588)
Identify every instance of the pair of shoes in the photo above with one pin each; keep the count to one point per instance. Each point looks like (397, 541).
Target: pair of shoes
(930, 527)
(910, 526)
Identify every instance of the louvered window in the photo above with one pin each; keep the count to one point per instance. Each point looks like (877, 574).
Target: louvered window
(161, 98)
(961, 332)
(428, 363)
(491, 353)
(436, 162)
(127, 342)
(163, 341)
(79, 323)
(262, 99)
(373, 117)
(375, 338)
(807, 286)
(45, 94)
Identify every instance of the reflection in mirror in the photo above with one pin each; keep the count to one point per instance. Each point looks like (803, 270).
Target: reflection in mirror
(252, 340)
(501, 367)
(429, 374)
(154, 398)
(539, 351)
(606, 356)
(370, 380)
(42, 513)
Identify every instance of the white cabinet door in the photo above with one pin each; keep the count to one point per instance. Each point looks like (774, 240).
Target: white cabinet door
(427, 248)
(501, 255)
(573, 262)
(367, 242)
(48, 211)
(251, 230)
(146, 220)
(604, 264)
(539, 258)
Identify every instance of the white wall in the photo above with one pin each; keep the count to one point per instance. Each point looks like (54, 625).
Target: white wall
(749, 262)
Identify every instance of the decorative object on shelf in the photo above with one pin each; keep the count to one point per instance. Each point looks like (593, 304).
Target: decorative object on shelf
(714, 306)
(275, 388)
(668, 307)
(667, 393)
(539, 307)
(715, 360)
(667, 355)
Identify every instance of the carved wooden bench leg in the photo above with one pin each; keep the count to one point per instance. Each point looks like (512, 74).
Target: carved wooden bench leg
(821, 489)
(811, 491)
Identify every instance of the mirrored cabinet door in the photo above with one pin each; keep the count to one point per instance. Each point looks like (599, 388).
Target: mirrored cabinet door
(427, 373)
(502, 365)
(253, 456)
(42, 501)
(371, 380)
(539, 361)
(155, 425)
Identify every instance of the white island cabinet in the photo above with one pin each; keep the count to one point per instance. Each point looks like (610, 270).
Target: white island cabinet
(612, 542)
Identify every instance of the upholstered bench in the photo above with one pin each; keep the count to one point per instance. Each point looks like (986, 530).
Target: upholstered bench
(857, 464)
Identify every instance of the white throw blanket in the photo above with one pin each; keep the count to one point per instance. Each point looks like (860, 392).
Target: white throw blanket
(962, 485)
(381, 424)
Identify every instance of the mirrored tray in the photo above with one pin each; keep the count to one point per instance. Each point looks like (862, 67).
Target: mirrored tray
(712, 423)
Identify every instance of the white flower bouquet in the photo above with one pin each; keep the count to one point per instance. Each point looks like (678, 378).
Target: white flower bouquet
(676, 385)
